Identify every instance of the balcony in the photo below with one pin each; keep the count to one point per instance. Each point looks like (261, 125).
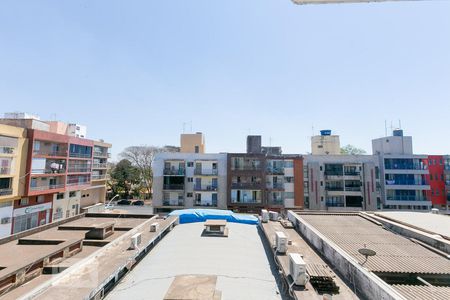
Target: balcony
(80, 155)
(5, 170)
(205, 187)
(102, 154)
(206, 172)
(334, 188)
(99, 177)
(48, 171)
(46, 187)
(50, 153)
(173, 187)
(79, 169)
(406, 182)
(407, 198)
(406, 167)
(6, 192)
(247, 185)
(352, 173)
(353, 188)
(80, 182)
(7, 150)
(206, 203)
(275, 170)
(99, 165)
(175, 172)
(275, 186)
(173, 202)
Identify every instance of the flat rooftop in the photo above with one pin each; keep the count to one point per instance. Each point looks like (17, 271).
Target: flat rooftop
(432, 223)
(237, 265)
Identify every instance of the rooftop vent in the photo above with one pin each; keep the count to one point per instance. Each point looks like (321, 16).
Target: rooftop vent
(216, 228)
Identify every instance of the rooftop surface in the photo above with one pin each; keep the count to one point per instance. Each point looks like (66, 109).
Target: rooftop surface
(239, 262)
(433, 223)
(394, 253)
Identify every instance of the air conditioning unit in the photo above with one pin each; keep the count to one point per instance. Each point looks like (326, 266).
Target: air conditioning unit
(297, 269)
(264, 216)
(154, 227)
(273, 215)
(435, 211)
(135, 241)
(281, 242)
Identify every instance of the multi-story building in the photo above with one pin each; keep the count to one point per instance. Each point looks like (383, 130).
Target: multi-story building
(436, 178)
(57, 171)
(404, 183)
(342, 182)
(264, 178)
(192, 143)
(13, 154)
(187, 180)
(447, 179)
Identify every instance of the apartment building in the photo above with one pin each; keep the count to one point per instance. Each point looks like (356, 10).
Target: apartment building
(264, 178)
(58, 168)
(187, 180)
(13, 154)
(447, 178)
(342, 182)
(437, 180)
(405, 176)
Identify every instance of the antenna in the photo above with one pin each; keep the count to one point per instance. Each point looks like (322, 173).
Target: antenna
(184, 127)
(312, 130)
(191, 126)
(385, 128)
(399, 124)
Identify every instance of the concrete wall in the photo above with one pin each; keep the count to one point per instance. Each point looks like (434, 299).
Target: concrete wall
(68, 206)
(93, 195)
(6, 211)
(393, 145)
(189, 141)
(325, 145)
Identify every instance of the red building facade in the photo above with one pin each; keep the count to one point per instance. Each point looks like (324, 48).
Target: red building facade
(436, 179)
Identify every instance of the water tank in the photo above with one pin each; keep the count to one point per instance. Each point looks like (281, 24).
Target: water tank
(398, 132)
(325, 132)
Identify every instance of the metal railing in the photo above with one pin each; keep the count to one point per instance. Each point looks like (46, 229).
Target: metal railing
(99, 177)
(80, 155)
(7, 150)
(351, 173)
(47, 171)
(205, 188)
(206, 203)
(79, 169)
(406, 182)
(406, 167)
(6, 192)
(407, 198)
(353, 189)
(334, 188)
(85, 182)
(173, 187)
(178, 202)
(275, 186)
(206, 172)
(246, 167)
(275, 170)
(99, 165)
(177, 171)
(247, 185)
(51, 153)
(46, 187)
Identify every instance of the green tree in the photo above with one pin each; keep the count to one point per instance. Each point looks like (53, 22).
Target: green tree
(352, 150)
(123, 177)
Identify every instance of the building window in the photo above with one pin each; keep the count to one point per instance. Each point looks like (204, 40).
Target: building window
(289, 179)
(189, 195)
(72, 194)
(190, 179)
(197, 149)
(40, 199)
(60, 196)
(36, 146)
(190, 164)
(23, 201)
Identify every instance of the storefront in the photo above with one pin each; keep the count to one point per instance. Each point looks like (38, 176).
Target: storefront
(31, 216)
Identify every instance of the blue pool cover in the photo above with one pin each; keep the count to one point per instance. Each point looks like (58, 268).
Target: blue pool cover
(201, 215)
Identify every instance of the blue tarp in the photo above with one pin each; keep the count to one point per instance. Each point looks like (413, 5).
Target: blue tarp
(201, 215)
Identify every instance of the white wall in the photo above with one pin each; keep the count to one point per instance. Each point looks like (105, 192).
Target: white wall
(6, 211)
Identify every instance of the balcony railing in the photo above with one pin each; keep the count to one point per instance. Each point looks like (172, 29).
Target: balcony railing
(205, 187)
(275, 170)
(5, 170)
(51, 153)
(80, 155)
(6, 192)
(275, 186)
(173, 187)
(206, 172)
(352, 173)
(99, 177)
(247, 185)
(406, 167)
(353, 189)
(84, 182)
(334, 188)
(407, 198)
(79, 169)
(211, 203)
(276, 201)
(46, 187)
(7, 150)
(47, 171)
(246, 168)
(99, 165)
(179, 171)
(406, 182)
(175, 202)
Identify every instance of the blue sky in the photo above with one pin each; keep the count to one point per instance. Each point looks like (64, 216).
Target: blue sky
(135, 71)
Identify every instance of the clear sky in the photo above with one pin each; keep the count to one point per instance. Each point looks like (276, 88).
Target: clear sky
(135, 71)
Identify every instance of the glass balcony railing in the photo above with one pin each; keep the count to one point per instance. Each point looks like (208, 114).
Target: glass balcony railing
(334, 188)
(46, 187)
(47, 171)
(275, 186)
(207, 203)
(52, 153)
(199, 187)
(6, 192)
(353, 189)
(206, 172)
(99, 177)
(79, 169)
(275, 170)
(407, 198)
(80, 182)
(173, 171)
(80, 155)
(406, 182)
(173, 187)
(406, 167)
(173, 202)
(99, 165)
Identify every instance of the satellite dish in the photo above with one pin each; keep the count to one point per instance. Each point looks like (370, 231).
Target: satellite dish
(367, 253)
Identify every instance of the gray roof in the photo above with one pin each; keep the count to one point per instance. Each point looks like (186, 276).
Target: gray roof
(239, 262)
(420, 292)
